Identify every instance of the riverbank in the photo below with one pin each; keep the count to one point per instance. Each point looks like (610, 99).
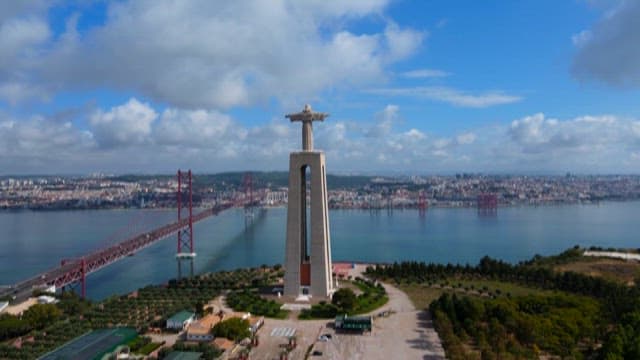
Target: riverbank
(39, 240)
(437, 204)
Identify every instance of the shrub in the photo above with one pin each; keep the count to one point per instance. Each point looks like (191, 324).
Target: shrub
(345, 299)
(233, 329)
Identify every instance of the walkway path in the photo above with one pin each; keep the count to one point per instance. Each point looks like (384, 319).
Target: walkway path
(407, 333)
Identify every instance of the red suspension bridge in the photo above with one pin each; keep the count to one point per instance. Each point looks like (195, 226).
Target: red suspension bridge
(76, 270)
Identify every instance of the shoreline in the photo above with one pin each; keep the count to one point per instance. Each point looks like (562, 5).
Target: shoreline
(363, 209)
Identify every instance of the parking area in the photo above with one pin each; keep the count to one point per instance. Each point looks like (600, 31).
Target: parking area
(404, 333)
(275, 335)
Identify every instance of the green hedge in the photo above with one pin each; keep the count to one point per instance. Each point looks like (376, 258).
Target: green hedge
(250, 301)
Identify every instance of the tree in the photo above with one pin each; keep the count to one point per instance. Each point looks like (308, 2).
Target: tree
(72, 304)
(345, 299)
(12, 326)
(199, 305)
(233, 329)
(40, 315)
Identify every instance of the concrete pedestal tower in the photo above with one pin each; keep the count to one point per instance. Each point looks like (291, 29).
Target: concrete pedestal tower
(308, 272)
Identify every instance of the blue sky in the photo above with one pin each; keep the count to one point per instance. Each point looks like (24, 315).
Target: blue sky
(419, 87)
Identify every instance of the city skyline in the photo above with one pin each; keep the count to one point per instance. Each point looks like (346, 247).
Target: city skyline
(148, 87)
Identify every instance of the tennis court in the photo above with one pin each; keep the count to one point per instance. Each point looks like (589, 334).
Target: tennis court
(92, 345)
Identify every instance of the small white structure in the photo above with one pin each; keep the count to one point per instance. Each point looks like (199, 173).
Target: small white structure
(51, 289)
(255, 323)
(3, 305)
(45, 299)
(613, 254)
(180, 320)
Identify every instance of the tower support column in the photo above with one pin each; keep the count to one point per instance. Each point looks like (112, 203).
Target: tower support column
(301, 266)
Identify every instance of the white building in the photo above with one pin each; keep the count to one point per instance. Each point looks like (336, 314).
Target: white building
(180, 320)
(44, 299)
(200, 330)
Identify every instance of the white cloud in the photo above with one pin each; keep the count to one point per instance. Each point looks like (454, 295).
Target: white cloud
(451, 96)
(328, 10)
(39, 145)
(538, 134)
(124, 125)
(442, 143)
(402, 43)
(18, 35)
(11, 9)
(582, 38)
(198, 128)
(442, 23)
(202, 54)
(133, 137)
(425, 73)
(384, 121)
(21, 40)
(609, 52)
(415, 134)
(589, 144)
(466, 138)
(16, 92)
(635, 128)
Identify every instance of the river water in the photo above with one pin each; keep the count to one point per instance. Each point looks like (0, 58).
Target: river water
(31, 242)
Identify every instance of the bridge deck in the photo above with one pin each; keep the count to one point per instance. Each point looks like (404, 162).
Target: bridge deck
(72, 271)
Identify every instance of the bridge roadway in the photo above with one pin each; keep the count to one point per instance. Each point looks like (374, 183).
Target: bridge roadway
(72, 270)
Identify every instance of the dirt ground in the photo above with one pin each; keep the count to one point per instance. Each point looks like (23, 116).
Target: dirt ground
(405, 334)
(306, 333)
(624, 271)
(169, 339)
(19, 308)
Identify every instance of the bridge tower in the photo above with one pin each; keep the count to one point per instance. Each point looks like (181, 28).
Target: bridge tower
(249, 206)
(80, 273)
(388, 200)
(422, 203)
(185, 252)
(487, 204)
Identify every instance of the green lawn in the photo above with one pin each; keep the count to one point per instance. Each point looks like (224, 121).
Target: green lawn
(422, 294)
(370, 298)
(247, 300)
(149, 348)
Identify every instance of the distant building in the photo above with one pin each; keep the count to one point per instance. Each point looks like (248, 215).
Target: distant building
(276, 197)
(341, 270)
(3, 305)
(200, 330)
(180, 320)
(183, 355)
